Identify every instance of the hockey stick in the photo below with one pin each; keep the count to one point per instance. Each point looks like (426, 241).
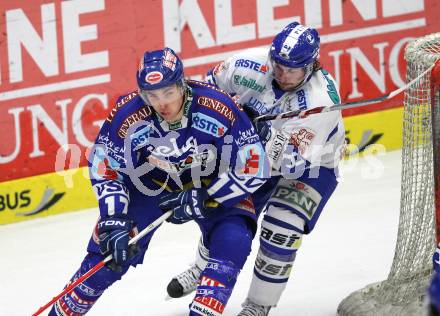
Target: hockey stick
(339, 106)
(98, 266)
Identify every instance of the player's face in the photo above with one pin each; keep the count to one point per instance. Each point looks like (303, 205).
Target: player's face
(287, 78)
(167, 102)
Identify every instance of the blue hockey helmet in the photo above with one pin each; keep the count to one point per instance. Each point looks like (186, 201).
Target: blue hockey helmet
(158, 69)
(296, 46)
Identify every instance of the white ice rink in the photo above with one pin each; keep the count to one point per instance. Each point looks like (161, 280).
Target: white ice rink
(352, 245)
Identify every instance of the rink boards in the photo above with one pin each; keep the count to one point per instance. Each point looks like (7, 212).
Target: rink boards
(63, 65)
(66, 191)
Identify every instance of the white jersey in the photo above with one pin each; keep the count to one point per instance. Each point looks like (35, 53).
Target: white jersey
(317, 140)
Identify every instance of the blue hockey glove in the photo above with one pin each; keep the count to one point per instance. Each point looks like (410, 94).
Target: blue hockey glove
(262, 127)
(113, 237)
(186, 205)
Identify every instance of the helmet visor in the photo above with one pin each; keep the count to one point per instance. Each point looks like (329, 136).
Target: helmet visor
(287, 78)
(165, 95)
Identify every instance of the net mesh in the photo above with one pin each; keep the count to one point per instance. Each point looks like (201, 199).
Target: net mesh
(403, 291)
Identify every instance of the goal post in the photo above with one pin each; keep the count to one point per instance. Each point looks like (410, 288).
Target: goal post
(402, 293)
(435, 97)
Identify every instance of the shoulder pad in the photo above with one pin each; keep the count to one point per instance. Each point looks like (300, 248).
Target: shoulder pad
(210, 100)
(205, 85)
(129, 109)
(254, 59)
(122, 100)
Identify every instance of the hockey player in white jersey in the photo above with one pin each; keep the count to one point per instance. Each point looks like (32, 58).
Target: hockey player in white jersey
(304, 152)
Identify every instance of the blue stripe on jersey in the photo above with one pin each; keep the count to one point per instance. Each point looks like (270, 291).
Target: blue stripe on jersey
(333, 132)
(210, 78)
(278, 92)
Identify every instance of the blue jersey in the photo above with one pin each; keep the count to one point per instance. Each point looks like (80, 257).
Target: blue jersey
(213, 145)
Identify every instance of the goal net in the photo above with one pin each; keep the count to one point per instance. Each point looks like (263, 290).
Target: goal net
(402, 293)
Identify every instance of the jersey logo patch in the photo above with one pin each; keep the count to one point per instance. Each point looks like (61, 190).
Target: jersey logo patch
(192, 161)
(137, 116)
(140, 138)
(153, 77)
(209, 125)
(253, 159)
(114, 151)
(299, 196)
(248, 83)
(246, 63)
(219, 68)
(217, 106)
(276, 148)
(120, 104)
(104, 166)
(302, 138)
(248, 136)
(302, 100)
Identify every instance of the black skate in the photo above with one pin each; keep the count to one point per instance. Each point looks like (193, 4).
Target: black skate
(184, 283)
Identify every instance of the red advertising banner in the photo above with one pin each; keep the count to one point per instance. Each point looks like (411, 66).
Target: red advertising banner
(63, 63)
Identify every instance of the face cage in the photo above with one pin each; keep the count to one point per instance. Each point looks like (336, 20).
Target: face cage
(143, 92)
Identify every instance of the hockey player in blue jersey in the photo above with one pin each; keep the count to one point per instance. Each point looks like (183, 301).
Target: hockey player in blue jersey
(434, 287)
(305, 152)
(180, 145)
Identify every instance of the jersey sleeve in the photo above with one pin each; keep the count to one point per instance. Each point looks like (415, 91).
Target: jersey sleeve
(243, 74)
(220, 76)
(243, 165)
(107, 162)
